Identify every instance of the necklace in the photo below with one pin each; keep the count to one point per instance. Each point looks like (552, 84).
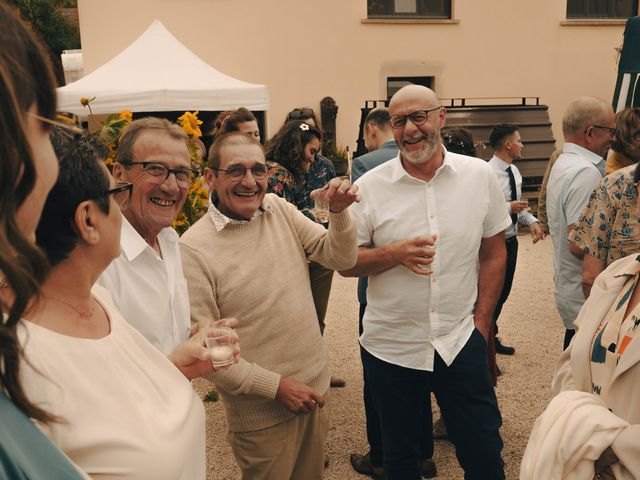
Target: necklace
(84, 315)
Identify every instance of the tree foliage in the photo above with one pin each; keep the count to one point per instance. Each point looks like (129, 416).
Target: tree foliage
(46, 19)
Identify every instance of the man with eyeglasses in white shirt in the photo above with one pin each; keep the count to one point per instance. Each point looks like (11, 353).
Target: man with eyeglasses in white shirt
(146, 281)
(431, 240)
(588, 126)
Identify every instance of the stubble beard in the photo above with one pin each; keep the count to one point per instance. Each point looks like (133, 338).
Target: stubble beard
(422, 156)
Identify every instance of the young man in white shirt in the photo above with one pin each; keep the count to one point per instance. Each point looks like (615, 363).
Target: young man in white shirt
(507, 146)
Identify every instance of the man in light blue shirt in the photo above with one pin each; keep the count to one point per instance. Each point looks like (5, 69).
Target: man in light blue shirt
(588, 127)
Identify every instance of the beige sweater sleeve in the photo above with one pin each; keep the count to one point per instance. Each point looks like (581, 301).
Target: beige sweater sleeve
(335, 248)
(243, 377)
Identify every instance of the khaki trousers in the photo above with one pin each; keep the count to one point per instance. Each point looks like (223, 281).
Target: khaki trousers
(289, 450)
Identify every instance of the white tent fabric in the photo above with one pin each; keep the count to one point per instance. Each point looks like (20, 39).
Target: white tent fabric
(157, 73)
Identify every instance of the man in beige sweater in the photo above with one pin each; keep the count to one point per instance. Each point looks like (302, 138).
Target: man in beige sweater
(247, 258)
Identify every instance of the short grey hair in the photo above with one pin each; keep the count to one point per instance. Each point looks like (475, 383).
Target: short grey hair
(124, 153)
(582, 112)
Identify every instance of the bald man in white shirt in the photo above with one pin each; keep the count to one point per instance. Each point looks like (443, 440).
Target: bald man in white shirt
(431, 240)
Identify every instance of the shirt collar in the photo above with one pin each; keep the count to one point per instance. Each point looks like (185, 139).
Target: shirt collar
(398, 172)
(577, 149)
(499, 162)
(133, 244)
(221, 221)
(389, 144)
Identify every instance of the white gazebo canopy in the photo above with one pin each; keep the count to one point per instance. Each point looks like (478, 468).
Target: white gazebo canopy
(157, 73)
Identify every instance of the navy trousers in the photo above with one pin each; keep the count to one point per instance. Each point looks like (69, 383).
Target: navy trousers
(372, 419)
(465, 396)
(512, 257)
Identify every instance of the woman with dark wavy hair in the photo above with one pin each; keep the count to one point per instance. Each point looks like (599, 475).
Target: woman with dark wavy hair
(28, 169)
(289, 154)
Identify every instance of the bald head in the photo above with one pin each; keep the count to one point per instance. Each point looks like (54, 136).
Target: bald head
(416, 119)
(585, 111)
(414, 93)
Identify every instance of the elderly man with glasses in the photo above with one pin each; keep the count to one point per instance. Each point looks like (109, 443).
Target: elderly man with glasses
(247, 258)
(588, 126)
(146, 281)
(431, 240)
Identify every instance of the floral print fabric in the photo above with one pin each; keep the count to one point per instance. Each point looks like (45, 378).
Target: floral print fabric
(282, 183)
(609, 227)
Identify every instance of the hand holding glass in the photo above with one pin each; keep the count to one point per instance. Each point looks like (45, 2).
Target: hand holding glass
(321, 209)
(219, 343)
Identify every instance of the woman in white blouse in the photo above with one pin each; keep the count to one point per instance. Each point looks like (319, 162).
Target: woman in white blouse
(125, 410)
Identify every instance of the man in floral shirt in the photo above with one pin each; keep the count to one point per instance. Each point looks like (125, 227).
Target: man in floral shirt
(609, 228)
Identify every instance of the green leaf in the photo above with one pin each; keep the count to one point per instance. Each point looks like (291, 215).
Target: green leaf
(109, 134)
(211, 396)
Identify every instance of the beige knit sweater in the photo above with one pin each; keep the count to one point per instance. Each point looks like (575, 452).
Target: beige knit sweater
(257, 272)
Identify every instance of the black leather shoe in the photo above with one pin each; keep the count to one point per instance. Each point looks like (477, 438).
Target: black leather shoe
(362, 464)
(428, 468)
(503, 349)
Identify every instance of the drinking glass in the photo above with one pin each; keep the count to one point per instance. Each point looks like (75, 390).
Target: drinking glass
(218, 341)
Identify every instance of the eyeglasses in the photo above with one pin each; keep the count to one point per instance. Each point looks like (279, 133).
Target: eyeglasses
(417, 118)
(297, 113)
(68, 127)
(160, 173)
(612, 131)
(236, 172)
(121, 194)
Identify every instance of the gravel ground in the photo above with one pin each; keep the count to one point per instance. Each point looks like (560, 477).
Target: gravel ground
(529, 322)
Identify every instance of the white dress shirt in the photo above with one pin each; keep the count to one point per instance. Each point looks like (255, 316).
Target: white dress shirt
(410, 316)
(150, 291)
(571, 181)
(500, 169)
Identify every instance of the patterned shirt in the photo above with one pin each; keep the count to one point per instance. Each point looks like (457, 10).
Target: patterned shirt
(320, 172)
(614, 335)
(282, 183)
(609, 228)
